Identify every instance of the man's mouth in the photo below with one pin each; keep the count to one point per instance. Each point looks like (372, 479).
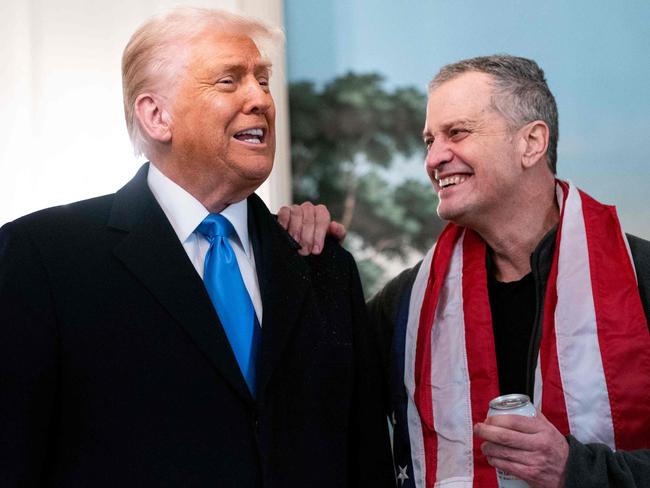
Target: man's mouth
(251, 136)
(452, 180)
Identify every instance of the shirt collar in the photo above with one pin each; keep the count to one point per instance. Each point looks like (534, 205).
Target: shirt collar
(237, 213)
(185, 212)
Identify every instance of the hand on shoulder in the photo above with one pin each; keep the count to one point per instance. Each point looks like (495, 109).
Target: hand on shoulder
(309, 224)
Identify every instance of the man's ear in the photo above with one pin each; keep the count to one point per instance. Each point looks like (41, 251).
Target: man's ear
(153, 117)
(535, 142)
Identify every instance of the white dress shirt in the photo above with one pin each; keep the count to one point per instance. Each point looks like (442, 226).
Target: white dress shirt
(185, 213)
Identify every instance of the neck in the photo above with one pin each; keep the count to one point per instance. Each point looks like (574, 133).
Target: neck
(515, 238)
(214, 192)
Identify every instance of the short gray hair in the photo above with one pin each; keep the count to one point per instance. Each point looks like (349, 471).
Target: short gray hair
(151, 57)
(521, 93)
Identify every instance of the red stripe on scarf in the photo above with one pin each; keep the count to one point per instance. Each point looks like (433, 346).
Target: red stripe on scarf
(553, 403)
(622, 326)
(479, 339)
(423, 399)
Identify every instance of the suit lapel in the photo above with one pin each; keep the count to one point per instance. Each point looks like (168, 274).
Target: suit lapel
(284, 282)
(152, 252)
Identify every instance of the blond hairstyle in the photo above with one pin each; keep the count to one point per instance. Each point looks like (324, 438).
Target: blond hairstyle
(154, 54)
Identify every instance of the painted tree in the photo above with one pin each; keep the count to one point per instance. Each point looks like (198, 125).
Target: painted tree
(345, 140)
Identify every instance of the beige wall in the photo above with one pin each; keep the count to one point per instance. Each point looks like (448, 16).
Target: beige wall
(62, 132)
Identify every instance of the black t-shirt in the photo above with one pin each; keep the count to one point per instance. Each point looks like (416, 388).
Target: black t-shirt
(513, 315)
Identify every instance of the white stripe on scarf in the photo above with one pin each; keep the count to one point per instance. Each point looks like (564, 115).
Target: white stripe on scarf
(576, 332)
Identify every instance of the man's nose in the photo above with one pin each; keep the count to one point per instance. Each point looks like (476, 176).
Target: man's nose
(258, 98)
(438, 153)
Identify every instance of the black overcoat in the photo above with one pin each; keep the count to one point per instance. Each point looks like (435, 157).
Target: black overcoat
(116, 372)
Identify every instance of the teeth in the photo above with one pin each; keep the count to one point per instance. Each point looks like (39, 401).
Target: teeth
(251, 136)
(252, 140)
(451, 180)
(252, 132)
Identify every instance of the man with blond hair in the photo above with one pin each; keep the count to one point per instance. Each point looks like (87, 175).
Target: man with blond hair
(532, 288)
(170, 334)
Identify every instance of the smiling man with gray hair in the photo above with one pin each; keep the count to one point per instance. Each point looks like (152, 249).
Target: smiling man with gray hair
(170, 334)
(532, 288)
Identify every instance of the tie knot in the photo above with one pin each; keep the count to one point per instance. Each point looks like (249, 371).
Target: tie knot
(216, 225)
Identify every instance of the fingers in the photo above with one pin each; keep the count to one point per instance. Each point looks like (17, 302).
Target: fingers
(338, 231)
(503, 436)
(306, 232)
(321, 228)
(520, 423)
(309, 224)
(295, 222)
(513, 468)
(543, 467)
(291, 218)
(503, 453)
(284, 215)
(530, 448)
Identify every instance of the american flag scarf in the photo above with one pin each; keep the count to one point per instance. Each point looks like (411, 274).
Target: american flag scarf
(593, 367)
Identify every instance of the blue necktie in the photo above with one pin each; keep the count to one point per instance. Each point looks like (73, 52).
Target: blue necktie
(229, 296)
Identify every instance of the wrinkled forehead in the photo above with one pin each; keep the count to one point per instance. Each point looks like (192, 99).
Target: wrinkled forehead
(260, 44)
(203, 54)
(210, 53)
(468, 95)
(212, 46)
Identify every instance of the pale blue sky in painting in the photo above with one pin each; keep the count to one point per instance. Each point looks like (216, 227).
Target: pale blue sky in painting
(596, 55)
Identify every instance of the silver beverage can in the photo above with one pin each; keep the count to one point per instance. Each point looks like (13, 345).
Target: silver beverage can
(514, 404)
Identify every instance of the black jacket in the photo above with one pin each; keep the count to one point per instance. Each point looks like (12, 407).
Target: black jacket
(589, 465)
(115, 371)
